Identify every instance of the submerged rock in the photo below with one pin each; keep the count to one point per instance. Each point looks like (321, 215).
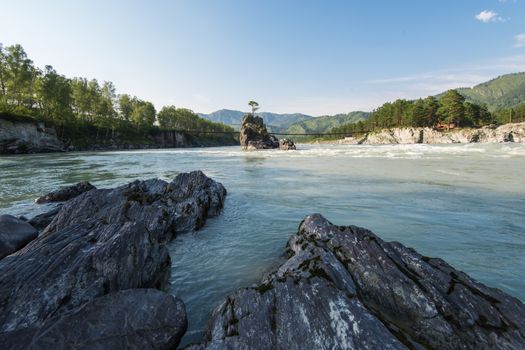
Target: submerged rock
(253, 134)
(65, 193)
(286, 145)
(345, 288)
(14, 234)
(129, 319)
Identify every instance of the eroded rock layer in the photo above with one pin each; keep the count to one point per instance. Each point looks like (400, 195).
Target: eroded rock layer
(345, 288)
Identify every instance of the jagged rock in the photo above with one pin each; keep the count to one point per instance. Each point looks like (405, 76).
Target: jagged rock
(103, 241)
(14, 234)
(345, 288)
(488, 134)
(129, 319)
(60, 271)
(286, 145)
(253, 134)
(166, 208)
(41, 221)
(65, 193)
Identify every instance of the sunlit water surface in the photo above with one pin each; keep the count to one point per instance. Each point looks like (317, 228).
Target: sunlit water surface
(464, 203)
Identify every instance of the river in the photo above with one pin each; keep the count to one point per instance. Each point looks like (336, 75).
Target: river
(463, 203)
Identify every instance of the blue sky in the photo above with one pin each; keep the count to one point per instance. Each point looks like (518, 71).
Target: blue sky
(315, 57)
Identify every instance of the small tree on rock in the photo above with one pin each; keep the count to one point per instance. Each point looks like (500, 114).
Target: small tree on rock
(254, 105)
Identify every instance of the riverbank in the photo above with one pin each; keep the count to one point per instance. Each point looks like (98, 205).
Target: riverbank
(24, 135)
(512, 132)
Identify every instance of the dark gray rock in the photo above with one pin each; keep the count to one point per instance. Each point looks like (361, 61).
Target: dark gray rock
(14, 234)
(286, 145)
(345, 288)
(131, 319)
(253, 134)
(41, 221)
(60, 271)
(100, 242)
(166, 208)
(65, 193)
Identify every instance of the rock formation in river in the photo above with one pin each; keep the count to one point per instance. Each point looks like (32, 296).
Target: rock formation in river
(129, 319)
(345, 288)
(253, 134)
(100, 243)
(286, 145)
(505, 133)
(66, 193)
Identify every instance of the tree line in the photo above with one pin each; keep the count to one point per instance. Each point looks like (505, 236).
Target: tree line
(75, 102)
(449, 110)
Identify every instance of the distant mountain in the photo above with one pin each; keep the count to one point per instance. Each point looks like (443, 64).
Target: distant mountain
(274, 121)
(325, 123)
(505, 91)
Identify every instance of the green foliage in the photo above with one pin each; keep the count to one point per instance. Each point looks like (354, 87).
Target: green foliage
(78, 106)
(428, 112)
(504, 92)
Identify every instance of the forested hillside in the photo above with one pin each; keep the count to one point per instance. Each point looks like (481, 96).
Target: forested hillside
(506, 91)
(80, 107)
(325, 123)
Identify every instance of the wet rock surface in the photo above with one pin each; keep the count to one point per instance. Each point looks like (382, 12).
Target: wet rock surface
(65, 193)
(345, 288)
(100, 242)
(14, 234)
(129, 319)
(253, 134)
(286, 145)
(165, 208)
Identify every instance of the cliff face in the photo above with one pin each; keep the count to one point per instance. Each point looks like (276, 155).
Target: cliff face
(505, 133)
(27, 137)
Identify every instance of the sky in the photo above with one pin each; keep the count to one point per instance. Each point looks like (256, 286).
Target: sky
(314, 57)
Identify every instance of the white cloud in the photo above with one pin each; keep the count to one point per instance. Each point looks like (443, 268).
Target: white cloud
(520, 40)
(487, 16)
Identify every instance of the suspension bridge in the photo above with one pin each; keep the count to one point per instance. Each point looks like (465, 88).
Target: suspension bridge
(342, 134)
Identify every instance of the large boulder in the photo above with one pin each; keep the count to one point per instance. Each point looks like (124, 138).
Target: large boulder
(58, 272)
(166, 208)
(286, 145)
(14, 234)
(103, 241)
(253, 134)
(65, 193)
(129, 319)
(345, 288)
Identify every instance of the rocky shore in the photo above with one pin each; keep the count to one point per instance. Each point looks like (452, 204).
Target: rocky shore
(23, 137)
(514, 132)
(345, 288)
(93, 278)
(91, 274)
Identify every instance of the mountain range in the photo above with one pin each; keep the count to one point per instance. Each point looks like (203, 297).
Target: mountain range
(288, 123)
(506, 91)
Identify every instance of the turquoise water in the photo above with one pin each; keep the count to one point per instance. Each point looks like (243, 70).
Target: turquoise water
(463, 203)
